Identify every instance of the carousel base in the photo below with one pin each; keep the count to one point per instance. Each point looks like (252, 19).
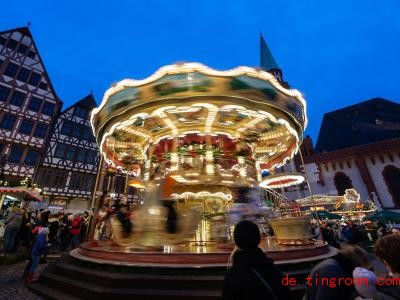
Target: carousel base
(106, 271)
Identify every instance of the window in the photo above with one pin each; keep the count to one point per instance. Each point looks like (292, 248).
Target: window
(4, 93)
(75, 182)
(35, 79)
(60, 151)
(80, 112)
(76, 131)
(17, 98)
(40, 130)
(23, 74)
(60, 179)
(12, 44)
(86, 135)
(22, 49)
(15, 154)
(70, 153)
(26, 127)
(11, 69)
(91, 157)
(35, 104)
(43, 85)
(48, 109)
(67, 128)
(8, 122)
(45, 177)
(31, 54)
(31, 158)
(81, 155)
(87, 183)
(2, 40)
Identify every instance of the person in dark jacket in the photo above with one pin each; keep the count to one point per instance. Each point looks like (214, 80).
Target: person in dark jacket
(332, 269)
(39, 248)
(13, 224)
(252, 274)
(387, 248)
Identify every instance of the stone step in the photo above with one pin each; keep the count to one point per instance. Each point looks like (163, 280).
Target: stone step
(49, 292)
(84, 290)
(119, 280)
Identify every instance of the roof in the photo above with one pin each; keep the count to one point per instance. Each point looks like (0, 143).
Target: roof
(88, 102)
(26, 31)
(364, 123)
(267, 61)
(22, 30)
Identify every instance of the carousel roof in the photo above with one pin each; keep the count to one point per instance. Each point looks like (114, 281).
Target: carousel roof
(184, 99)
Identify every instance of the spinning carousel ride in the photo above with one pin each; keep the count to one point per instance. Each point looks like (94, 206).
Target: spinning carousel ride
(193, 137)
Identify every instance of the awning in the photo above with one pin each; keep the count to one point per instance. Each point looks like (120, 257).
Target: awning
(384, 215)
(323, 214)
(26, 193)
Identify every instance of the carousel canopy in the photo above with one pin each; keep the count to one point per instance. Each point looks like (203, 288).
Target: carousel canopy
(190, 101)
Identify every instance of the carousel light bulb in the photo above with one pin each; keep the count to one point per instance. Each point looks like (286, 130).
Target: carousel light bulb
(209, 156)
(209, 169)
(174, 157)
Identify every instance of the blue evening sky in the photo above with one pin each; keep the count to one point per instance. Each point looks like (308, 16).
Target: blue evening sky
(336, 53)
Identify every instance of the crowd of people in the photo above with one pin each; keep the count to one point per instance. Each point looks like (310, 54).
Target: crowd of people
(35, 233)
(352, 232)
(252, 275)
(22, 227)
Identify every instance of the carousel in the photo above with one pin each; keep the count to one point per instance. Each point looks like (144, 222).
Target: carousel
(197, 141)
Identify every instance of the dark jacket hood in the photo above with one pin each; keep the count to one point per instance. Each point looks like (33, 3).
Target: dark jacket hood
(387, 291)
(254, 258)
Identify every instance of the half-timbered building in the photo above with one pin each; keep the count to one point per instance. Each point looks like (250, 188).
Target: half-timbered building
(28, 102)
(68, 169)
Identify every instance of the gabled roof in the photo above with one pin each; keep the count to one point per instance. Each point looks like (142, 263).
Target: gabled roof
(25, 31)
(88, 102)
(22, 30)
(360, 124)
(267, 61)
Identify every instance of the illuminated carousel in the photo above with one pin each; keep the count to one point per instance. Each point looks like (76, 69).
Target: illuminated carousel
(193, 138)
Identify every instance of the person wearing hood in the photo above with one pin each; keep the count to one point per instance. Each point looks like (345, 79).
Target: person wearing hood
(13, 224)
(39, 248)
(332, 269)
(252, 274)
(387, 248)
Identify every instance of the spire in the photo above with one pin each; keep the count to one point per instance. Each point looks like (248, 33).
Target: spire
(267, 61)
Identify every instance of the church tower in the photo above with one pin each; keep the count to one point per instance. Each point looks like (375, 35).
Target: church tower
(268, 63)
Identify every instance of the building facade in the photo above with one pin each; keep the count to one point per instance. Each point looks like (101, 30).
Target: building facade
(358, 147)
(28, 103)
(67, 172)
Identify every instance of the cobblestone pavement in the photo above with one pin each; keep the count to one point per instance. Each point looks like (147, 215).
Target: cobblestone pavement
(11, 282)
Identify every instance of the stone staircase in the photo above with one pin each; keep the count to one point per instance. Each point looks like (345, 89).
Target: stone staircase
(69, 279)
